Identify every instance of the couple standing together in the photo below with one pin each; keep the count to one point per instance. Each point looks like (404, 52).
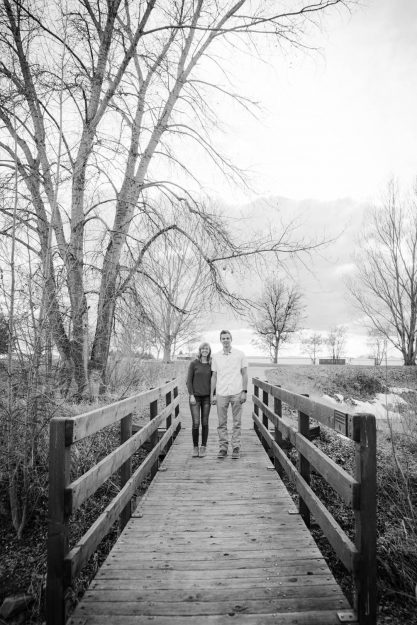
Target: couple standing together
(221, 380)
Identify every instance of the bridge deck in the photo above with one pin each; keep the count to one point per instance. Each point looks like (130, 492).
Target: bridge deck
(214, 542)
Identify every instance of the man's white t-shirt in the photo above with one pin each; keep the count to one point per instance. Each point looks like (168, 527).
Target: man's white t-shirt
(228, 368)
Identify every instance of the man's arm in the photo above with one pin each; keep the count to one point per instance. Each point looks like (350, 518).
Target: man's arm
(243, 394)
(213, 387)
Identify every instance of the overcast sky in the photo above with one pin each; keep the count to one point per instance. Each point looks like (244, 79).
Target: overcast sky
(335, 125)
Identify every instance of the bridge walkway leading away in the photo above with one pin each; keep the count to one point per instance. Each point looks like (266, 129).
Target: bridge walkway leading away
(214, 542)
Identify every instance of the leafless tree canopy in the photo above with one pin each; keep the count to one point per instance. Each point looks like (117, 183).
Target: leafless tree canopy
(385, 285)
(278, 315)
(336, 341)
(101, 107)
(311, 345)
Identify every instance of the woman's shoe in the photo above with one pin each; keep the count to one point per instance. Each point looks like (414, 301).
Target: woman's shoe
(202, 452)
(195, 452)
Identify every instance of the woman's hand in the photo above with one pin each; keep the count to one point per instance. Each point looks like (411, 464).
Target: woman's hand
(213, 400)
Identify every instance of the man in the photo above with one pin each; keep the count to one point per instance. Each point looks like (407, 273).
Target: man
(229, 385)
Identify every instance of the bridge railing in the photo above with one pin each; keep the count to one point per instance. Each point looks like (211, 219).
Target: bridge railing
(358, 491)
(66, 496)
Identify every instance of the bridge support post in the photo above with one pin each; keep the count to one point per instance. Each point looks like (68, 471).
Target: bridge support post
(304, 465)
(255, 407)
(364, 435)
(153, 412)
(277, 432)
(59, 478)
(168, 401)
(126, 468)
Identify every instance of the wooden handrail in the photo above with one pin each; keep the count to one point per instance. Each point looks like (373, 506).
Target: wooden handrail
(358, 491)
(65, 496)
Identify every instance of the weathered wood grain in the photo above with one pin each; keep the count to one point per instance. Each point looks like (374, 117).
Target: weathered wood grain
(89, 423)
(211, 542)
(313, 617)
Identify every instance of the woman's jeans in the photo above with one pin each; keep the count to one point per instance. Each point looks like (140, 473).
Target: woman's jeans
(200, 413)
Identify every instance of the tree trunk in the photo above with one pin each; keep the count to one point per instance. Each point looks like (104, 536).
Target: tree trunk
(167, 350)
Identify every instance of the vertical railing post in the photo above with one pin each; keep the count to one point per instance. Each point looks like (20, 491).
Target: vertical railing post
(277, 431)
(176, 411)
(265, 423)
(126, 468)
(153, 411)
(168, 401)
(304, 465)
(59, 478)
(255, 407)
(364, 435)
(177, 408)
(265, 420)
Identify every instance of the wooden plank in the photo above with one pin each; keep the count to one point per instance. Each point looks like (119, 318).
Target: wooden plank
(212, 565)
(80, 426)
(188, 608)
(310, 568)
(211, 595)
(312, 617)
(343, 546)
(87, 484)
(246, 580)
(85, 547)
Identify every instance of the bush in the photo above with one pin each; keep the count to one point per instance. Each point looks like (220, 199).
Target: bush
(359, 383)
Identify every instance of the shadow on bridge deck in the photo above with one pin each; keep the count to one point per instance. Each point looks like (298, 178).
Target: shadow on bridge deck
(214, 542)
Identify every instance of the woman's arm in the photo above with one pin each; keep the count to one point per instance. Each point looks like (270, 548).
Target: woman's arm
(190, 379)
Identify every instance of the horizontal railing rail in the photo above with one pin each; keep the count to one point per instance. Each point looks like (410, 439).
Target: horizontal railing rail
(65, 497)
(357, 491)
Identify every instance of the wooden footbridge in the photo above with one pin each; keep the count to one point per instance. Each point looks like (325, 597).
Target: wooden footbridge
(214, 541)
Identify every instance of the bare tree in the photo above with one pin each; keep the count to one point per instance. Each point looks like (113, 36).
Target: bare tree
(128, 80)
(336, 341)
(174, 288)
(311, 345)
(378, 344)
(278, 315)
(385, 285)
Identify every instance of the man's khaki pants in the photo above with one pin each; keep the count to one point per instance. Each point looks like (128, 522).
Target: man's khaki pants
(223, 402)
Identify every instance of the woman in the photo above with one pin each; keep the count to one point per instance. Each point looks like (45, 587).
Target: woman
(198, 385)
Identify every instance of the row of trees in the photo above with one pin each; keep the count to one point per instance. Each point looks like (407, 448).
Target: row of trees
(106, 107)
(102, 108)
(383, 288)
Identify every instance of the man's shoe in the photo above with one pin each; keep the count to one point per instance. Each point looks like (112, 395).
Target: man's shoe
(236, 453)
(195, 452)
(222, 453)
(202, 452)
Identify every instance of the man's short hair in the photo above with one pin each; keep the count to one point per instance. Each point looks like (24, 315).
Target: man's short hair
(225, 332)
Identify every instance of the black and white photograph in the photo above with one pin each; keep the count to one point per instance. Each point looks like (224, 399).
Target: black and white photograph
(208, 312)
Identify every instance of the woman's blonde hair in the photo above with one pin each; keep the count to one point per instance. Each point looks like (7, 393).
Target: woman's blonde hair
(199, 352)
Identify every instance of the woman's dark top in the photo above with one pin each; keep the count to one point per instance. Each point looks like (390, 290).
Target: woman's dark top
(199, 378)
